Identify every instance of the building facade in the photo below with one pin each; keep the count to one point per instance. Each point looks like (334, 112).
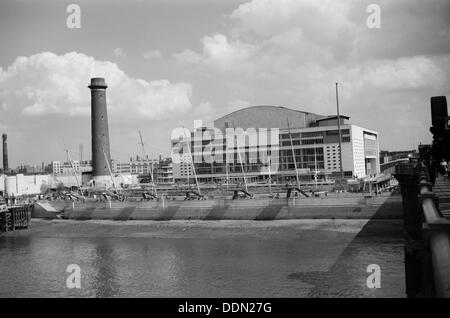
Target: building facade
(66, 168)
(162, 168)
(295, 143)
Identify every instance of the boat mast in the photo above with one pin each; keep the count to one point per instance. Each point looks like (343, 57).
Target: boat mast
(340, 134)
(226, 173)
(315, 165)
(240, 160)
(146, 158)
(192, 161)
(293, 154)
(109, 169)
(74, 172)
(270, 175)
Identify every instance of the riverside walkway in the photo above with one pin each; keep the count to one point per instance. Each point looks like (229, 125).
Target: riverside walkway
(426, 211)
(442, 191)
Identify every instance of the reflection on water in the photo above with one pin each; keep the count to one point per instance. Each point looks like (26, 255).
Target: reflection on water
(104, 281)
(156, 267)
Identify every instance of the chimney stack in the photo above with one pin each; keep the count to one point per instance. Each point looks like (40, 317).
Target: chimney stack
(101, 157)
(5, 153)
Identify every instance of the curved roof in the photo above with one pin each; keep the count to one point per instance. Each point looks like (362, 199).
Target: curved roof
(266, 117)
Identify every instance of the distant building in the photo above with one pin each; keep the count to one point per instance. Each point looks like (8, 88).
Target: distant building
(388, 156)
(67, 168)
(164, 171)
(183, 170)
(136, 165)
(162, 168)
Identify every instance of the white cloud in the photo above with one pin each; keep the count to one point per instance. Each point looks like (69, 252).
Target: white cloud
(46, 83)
(291, 52)
(319, 20)
(187, 56)
(407, 73)
(219, 52)
(152, 54)
(296, 46)
(120, 52)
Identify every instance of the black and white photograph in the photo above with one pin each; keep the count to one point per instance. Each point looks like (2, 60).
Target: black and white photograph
(224, 155)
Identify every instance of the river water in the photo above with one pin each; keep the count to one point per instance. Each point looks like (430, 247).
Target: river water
(306, 258)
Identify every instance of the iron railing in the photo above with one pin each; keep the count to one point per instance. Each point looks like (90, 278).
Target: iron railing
(427, 234)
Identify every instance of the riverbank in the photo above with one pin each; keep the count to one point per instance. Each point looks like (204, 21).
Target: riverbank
(181, 229)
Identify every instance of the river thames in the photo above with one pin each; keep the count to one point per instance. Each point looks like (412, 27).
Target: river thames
(290, 258)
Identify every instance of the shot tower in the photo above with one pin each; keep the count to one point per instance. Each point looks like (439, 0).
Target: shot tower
(101, 158)
(5, 153)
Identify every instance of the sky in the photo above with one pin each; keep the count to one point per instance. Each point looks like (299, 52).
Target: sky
(168, 63)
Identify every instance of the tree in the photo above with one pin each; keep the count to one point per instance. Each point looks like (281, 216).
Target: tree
(44, 188)
(60, 187)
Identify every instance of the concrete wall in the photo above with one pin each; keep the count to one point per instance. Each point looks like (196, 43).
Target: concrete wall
(34, 184)
(24, 185)
(66, 180)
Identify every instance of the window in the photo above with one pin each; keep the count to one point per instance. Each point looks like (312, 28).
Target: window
(312, 141)
(312, 134)
(332, 132)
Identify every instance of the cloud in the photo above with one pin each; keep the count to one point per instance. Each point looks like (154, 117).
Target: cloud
(328, 32)
(46, 83)
(295, 46)
(187, 56)
(152, 54)
(219, 52)
(120, 52)
(291, 52)
(319, 20)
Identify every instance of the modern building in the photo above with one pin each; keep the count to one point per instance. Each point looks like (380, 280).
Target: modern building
(121, 167)
(244, 141)
(164, 171)
(182, 172)
(388, 156)
(162, 168)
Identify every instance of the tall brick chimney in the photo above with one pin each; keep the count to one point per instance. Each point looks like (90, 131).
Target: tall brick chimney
(100, 135)
(5, 153)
